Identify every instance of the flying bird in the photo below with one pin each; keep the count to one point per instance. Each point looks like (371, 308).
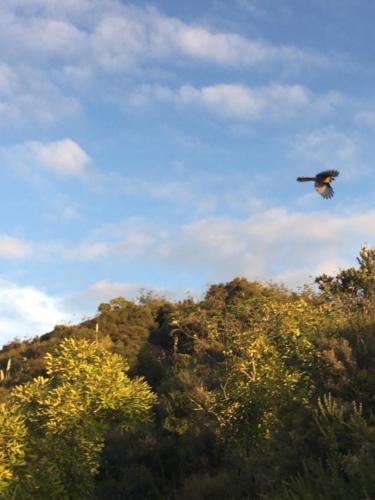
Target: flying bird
(322, 182)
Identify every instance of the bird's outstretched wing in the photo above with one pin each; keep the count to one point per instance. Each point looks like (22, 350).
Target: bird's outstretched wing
(327, 173)
(324, 189)
(305, 179)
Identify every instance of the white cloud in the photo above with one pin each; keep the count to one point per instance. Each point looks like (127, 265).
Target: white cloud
(55, 53)
(113, 35)
(26, 311)
(63, 158)
(28, 34)
(270, 102)
(132, 238)
(240, 101)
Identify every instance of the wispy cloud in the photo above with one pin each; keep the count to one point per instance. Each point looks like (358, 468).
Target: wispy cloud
(270, 244)
(226, 48)
(120, 34)
(251, 6)
(238, 101)
(14, 248)
(105, 290)
(63, 209)
(27, 96)
(54, 56)
(366, 117)
(84, 252)
(330, 148)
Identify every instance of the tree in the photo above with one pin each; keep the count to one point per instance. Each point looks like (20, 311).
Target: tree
(58, 424)
(355, 284)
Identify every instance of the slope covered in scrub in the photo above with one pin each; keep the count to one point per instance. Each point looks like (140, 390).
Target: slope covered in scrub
(252, 392)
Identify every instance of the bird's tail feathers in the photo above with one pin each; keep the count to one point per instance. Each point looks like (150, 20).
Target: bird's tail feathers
(305, 179)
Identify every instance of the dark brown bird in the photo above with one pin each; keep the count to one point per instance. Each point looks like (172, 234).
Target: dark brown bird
(322, 182)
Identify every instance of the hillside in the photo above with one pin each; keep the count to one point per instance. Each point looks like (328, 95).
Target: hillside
(253, 392)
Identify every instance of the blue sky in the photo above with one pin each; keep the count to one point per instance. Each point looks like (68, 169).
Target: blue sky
(156, 145)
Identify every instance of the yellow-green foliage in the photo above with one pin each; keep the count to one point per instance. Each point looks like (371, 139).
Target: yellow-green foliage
(58, 424)
(268, 364)
(12, 451)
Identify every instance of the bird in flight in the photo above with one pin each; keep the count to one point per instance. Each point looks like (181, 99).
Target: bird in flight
(322, 182)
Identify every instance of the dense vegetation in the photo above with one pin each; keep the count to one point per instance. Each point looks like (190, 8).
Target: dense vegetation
(252, 392)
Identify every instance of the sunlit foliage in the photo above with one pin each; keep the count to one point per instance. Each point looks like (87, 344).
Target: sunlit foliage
(58, 423)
